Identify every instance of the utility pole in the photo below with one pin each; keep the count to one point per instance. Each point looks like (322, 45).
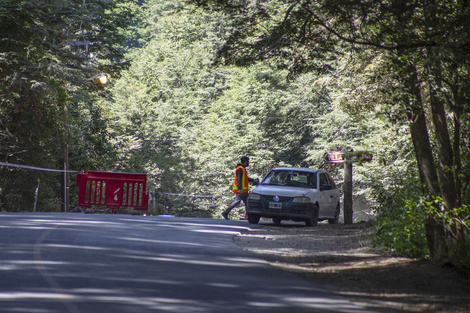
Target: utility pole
(66, 178)
(348, 192)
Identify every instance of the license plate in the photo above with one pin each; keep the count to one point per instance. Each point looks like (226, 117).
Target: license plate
(275, 205)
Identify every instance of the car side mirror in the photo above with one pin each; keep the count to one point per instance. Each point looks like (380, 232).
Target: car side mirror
(325, 187)
(255, 182)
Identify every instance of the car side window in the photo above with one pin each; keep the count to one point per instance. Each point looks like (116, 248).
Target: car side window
(332, 182)
(312, 180)
(324, 180)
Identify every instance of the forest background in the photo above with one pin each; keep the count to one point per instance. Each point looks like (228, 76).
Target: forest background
(193, 86)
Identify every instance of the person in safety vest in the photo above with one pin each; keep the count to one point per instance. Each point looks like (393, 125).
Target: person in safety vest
(240, 185)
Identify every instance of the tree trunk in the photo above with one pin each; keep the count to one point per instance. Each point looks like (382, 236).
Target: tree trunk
(457, 160)
(420, 136)
(427, 171)
(444, 149)
(453, 239)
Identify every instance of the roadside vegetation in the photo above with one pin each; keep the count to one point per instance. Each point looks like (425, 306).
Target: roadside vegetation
(190, 90)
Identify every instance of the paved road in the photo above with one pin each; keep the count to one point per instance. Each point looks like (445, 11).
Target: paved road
(85, 263)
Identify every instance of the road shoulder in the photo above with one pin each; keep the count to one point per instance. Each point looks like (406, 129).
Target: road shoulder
(341, 258)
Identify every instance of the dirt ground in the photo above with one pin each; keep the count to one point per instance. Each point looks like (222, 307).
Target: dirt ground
(341, 258)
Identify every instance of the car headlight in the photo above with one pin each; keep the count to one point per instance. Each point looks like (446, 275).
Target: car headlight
(302, 200)
(254, 196)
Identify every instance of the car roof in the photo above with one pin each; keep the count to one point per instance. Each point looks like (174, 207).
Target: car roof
(303, 169)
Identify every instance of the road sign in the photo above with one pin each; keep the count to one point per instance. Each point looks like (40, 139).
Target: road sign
(361, 156)
(338, 157)
(334, 157)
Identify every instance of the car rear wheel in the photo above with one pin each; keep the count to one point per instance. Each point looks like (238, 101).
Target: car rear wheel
(253, 218)
(277, 221)
(313, 220)
(335, 220)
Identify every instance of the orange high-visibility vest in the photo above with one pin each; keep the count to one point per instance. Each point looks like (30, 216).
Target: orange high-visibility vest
(244, 180)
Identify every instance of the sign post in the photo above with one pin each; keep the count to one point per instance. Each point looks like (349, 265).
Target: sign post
(338, 157)
(348, 193)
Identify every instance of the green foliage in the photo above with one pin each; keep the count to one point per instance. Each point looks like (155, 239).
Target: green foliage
(48, 51)
(185, 121)
(401, 228)
(400, 224)
(402, 216)
(178, 108)
(457, 216)
(456, 222)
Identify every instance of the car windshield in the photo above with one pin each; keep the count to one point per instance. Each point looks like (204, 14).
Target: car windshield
(291, 178)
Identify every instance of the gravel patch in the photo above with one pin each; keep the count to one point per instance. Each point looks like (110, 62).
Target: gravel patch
(341, 258)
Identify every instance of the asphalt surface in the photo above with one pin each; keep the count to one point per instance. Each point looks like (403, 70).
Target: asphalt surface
(85, 263)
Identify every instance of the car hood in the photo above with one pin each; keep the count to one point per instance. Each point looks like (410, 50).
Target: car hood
(283, 191)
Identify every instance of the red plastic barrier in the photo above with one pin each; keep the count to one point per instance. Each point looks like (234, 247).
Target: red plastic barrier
(113, 190)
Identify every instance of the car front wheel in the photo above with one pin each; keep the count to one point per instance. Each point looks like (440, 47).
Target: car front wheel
(313, 220)
(253, 218)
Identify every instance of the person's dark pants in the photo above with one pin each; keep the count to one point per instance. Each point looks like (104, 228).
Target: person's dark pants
(239, 197)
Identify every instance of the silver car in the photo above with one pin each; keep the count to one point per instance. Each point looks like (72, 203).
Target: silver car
(298, 194)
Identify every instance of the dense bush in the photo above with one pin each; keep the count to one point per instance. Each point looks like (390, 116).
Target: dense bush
(400, 229)
(400, 216)
(401, 220)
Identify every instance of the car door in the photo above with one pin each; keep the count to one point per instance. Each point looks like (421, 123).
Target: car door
(327, 196)
(334, 195)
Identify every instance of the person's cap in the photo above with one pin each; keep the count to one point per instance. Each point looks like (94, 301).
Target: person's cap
(245, 158)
